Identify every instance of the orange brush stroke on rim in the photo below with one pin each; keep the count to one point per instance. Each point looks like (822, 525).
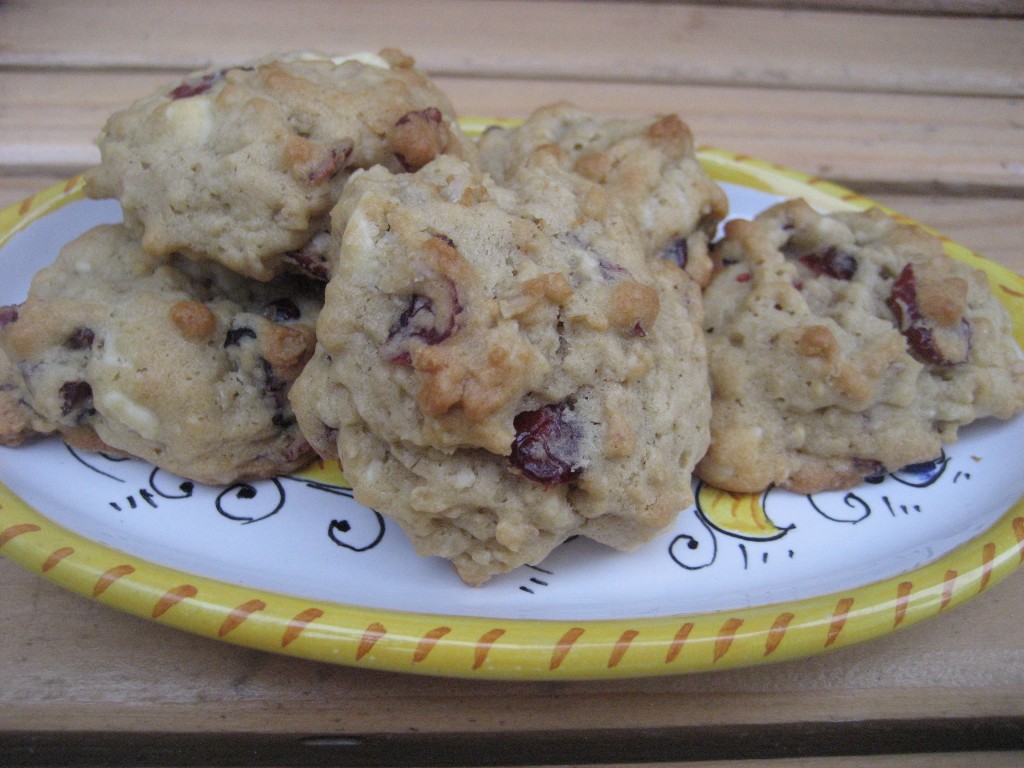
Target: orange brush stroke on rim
(299, 623)
(1018, 531)
(427, 643)
(678, 642)
(988, 556)
(172, 597)
(563, 646)
(777, 632)
(902, 601)
(948, 585)
(483, 646)
(725, 637)
(56, 556)
(373, 633)
(109, 576)
(17, 530)
(839, 616)
(240, 614)
(621, 646)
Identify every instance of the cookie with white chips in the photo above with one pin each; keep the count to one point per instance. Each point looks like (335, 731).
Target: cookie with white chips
(186, 365)
(242, 165)
(501, 368)
(649, 164)
(845, 345)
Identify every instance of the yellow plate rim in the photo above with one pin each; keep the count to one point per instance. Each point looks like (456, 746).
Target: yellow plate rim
(525, 649)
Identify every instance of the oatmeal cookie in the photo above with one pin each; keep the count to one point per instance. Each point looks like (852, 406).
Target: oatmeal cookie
(18, 422)
(183, 364)
(242, 165)
(845, 345)
(649, 164)
(501, 368)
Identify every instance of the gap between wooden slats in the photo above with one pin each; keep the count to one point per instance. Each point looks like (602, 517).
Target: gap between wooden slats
(908, 144)
(609, 41)
(984, 8)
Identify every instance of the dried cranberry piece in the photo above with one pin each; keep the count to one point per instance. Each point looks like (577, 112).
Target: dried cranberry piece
(189, 89)
(202, 84)
(546, 447)
(282, 420)
(8, 315)
(80, 338)
(869, 468)
(312, 257)
(831, 262)
(74, 395)
(414, 154)
(919, 333)
(678, 253)
(235, 336)
(335, 161)
(276, 389)
(418, 321)
(433, 114)
(425, 320)
(282, 310)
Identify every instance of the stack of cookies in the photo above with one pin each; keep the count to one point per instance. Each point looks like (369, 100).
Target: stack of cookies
(506, 342)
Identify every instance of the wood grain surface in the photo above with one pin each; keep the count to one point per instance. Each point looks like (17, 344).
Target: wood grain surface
(918, 104)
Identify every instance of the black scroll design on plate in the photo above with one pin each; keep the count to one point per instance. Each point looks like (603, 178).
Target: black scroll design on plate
(357, 529)
(360, 530)
(156, 481)
(247, 503)
(89, 463)
(855, 508)
(695, 547)
(746, 522)
(923, 474)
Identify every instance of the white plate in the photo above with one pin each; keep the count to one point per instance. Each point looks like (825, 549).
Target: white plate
(781, 560)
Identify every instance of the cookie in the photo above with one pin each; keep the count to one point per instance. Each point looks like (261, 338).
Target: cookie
(18, 422)
(242, 165)
(501, 368)
(846, 345)
(183, 364)
(648, 164)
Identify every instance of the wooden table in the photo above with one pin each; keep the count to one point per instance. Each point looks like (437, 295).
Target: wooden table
(919, 104)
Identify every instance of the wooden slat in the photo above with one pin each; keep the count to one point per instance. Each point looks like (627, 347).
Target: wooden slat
(987, 8)
(48, 123)
(610, 41)
(1005, 759)
(14, 189)
(121, 673)
(991, 227)
(260, 749)
(918, 103)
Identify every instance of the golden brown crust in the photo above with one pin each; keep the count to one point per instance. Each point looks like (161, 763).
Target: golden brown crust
(15, 421)
(174, 159)
(648, 165)
(503, 374)
(184, 365)
(843, 345)
(194, 319)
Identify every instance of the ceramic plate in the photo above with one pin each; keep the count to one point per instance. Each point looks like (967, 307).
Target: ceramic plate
(294, 566)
